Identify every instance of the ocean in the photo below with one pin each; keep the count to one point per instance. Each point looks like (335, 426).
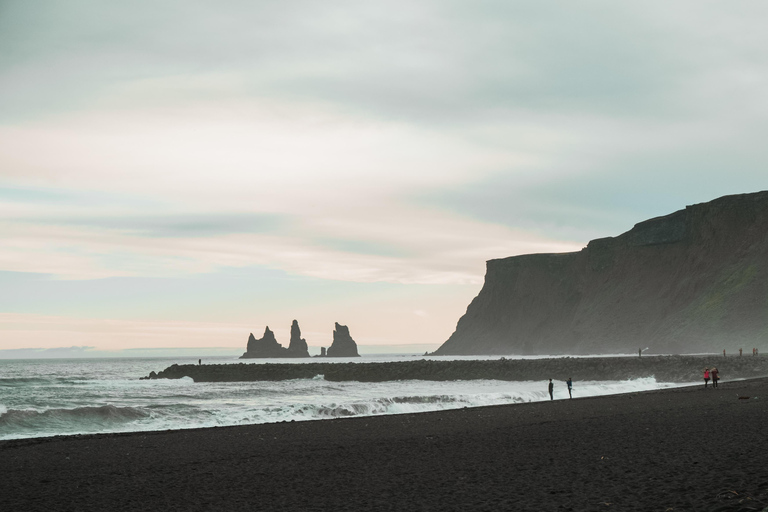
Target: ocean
(48, 397)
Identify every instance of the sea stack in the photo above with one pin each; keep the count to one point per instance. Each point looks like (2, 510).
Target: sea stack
(298, 345)
(689, 282)
(266, 346)
(343, 345)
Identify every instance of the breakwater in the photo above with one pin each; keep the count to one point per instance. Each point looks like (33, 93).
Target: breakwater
(663, 368)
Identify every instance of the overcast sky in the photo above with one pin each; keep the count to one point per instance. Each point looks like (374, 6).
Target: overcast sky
(179, 174)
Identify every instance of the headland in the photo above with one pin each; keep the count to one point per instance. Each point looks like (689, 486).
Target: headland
(693, 281)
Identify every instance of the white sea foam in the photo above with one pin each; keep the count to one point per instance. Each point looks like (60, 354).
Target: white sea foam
(106, 396)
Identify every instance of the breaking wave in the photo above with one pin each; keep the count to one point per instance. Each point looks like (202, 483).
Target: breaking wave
(80, 419)
(23, 381)
(51, 402)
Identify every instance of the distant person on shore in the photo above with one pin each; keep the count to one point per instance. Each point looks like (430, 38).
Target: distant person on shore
(723, 352)
(551, 390)
(640, 352)
(199, 362)
(739, 352)
(715, 376)
(569, 382)
(706, 377)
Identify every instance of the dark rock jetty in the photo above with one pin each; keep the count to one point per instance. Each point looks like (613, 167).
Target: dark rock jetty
(663, 368)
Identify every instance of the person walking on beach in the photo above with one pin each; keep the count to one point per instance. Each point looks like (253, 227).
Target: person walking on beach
(706, 377)
(551, 390)
(715, 376)
(569, 382)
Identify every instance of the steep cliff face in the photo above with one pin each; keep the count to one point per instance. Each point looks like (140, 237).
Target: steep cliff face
(692, 281)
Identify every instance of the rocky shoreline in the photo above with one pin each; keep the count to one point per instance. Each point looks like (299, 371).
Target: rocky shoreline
(663, 368)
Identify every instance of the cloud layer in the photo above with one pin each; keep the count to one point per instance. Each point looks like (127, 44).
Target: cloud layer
(355, 142)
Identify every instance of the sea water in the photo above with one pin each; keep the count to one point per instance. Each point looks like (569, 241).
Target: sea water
(45, 397)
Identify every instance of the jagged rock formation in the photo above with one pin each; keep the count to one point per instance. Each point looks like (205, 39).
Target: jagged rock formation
(266, 346)
(692, 281)
(298, 345)
(343, 345)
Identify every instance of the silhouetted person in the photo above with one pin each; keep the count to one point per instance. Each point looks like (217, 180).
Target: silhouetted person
(551, 390)
(739, 352)
(723, 352)
(569, 382)
(639, 352)
(706, 377)
(715, 376)
(199, 362)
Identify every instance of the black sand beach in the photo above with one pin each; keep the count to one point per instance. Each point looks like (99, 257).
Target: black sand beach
(681, 449)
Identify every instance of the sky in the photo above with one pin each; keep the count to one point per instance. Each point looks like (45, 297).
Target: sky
(181, 174)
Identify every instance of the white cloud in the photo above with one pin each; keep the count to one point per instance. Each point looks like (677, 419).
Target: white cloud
(336, 120)
(49, 331)
(259, 154)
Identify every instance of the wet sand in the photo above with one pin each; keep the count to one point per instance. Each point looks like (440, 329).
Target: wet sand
(671, 450)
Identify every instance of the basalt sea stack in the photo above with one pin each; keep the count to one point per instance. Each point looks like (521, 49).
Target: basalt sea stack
(298, 345)
(692, 281)
(267, 345)
(343, 345)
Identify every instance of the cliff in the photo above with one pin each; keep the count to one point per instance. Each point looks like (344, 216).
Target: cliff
(692, 281)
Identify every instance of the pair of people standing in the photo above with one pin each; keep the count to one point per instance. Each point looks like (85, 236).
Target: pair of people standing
(714, 374)
(569, 382)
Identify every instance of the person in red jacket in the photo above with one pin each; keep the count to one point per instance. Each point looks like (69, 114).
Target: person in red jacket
(706, 377)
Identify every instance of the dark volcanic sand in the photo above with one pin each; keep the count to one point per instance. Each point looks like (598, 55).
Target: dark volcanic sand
(682, 449)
